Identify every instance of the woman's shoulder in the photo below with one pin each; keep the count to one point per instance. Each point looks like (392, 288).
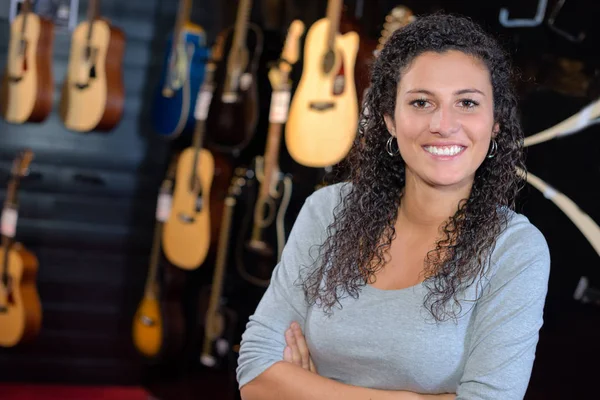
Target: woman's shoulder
(521, 245)
(323, 201)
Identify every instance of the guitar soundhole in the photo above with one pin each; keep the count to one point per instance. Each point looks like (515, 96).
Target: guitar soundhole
(186, 219)
(147, 321)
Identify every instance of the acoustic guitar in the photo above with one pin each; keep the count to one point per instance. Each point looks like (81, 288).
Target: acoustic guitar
(324, 112)
(182, 75)
(93, 94)
(20, 307)
(233, 113)
(262, 236)
(27, 84)
(186, 238)
(158, 323)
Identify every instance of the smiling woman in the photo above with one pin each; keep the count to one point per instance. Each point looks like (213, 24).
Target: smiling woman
(415, 278)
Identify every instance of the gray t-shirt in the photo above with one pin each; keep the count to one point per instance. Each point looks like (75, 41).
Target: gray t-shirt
(386, 339)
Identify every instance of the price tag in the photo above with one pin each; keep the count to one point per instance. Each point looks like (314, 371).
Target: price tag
(280, 103)
(202, 105)
(9, 222)
(163, 207)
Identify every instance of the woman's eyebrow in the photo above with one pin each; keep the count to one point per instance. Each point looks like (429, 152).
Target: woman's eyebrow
(458, 92)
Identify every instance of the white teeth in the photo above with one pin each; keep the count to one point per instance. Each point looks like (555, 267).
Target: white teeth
(444, 151)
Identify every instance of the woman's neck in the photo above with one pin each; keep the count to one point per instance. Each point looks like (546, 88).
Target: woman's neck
(425, 208)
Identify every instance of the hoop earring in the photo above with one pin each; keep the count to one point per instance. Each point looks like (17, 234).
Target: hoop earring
(388, 148)
(494, 149)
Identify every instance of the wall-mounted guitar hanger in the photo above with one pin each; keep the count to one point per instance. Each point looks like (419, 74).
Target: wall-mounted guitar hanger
(524, 22)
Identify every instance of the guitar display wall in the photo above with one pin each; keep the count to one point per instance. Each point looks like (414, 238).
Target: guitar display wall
(87, 208)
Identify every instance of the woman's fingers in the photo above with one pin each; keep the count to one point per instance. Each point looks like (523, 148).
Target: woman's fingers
(313, 368)
(302, 347)
(287, 354)
(290, 339)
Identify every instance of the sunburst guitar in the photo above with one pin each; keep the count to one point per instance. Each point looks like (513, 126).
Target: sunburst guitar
(27, 83)
(323, 114)
(93, 94)
(20, 307)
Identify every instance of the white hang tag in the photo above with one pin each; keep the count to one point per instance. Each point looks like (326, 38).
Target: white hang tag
(280, 103)
(163, 207)
(202, 105)
(9, 222)
(245, 81)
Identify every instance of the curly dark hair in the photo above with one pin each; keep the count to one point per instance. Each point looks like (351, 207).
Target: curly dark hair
(363, 227)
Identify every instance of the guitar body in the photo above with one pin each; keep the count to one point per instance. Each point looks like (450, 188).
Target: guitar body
(23, 319)
(148, 328)
(93, 93)
(321, 136)
(186, 234)
(230, 125)
(256, 264)
(173, 110)
(28, 85)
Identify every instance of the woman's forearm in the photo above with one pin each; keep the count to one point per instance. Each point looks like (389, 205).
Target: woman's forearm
(287, 381)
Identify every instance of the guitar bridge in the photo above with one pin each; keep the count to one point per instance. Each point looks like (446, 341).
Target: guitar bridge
(82, 86)
(15, 79)
(321, 105)
(3, 309)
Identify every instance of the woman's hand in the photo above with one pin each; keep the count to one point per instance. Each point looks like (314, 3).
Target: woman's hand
(296, 351)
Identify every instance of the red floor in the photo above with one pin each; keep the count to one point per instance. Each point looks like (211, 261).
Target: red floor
(58, 392)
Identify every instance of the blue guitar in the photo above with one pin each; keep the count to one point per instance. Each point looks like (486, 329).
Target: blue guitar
(182, 75)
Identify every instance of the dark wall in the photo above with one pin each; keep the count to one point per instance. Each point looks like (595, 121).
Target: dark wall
(87, 210)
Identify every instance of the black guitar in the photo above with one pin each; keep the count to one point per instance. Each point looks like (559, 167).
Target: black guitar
(233, 112)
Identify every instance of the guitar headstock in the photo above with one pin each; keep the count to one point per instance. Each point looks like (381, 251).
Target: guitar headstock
(278, 74)
(399, 17)
(20, 167)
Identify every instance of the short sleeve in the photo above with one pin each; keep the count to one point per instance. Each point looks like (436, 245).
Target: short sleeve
(284, 301)
(507, 319)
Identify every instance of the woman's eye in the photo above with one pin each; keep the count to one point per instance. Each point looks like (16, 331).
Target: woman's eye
(420, 103)
(466, 103)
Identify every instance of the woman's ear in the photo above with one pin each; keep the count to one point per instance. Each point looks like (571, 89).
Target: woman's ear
(495, 130)
(389, 123)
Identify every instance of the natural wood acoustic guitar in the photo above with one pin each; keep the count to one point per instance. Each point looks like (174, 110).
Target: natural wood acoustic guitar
(324, 111)
(27, 84)
(186, 237)
(20, 307)
(93, 94)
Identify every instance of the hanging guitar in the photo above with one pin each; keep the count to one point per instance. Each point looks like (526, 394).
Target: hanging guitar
(158, 324)
(27, 84)
(20, 307)
(262, 235)
(233, 113)
(92, 95)
(182, 75)
(324, 112)
(186, 237)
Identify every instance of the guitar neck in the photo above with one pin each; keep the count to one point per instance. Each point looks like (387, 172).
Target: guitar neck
(93, 13)
(271, 158)
(25, 10)
(9, 203)
(334, 11)
(149, 290)
(241, 25)
(183, 16)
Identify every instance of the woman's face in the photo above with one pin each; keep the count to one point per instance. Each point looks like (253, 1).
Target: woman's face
(444, 118)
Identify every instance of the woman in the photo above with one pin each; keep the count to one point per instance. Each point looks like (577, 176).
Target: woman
(415, 279)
